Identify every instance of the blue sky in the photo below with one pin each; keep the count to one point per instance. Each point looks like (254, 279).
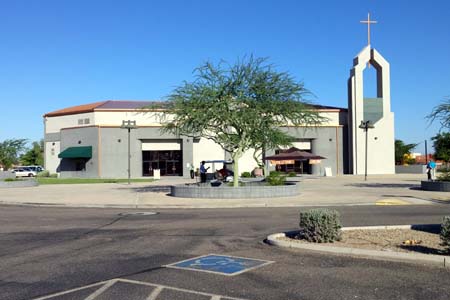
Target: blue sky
(61, 53)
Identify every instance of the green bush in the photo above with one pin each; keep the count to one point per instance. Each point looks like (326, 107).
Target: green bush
(443, 176)
(43, 174)
(445, 232)
(320, 226)
(54, 175)
(275, 173)
(276, 178)
(246, 174)
(292, 174)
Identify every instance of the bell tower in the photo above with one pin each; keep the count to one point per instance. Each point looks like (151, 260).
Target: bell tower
(376, 111)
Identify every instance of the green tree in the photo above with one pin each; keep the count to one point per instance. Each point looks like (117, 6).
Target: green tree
(441, 113)
(35, 155)
(402, 149)
(441, 144)
(240, 106)
(10, 151)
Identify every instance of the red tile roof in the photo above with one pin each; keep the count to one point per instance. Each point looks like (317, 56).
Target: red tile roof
(75, 109)
(130, 105)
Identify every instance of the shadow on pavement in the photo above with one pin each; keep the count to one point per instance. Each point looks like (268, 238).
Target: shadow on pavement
(385, 185)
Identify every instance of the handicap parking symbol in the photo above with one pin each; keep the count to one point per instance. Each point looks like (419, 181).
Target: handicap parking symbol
(220, 264)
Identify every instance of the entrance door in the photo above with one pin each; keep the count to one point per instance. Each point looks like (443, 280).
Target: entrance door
(167, 161)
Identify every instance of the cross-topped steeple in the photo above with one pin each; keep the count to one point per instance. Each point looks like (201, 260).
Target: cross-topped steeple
(368, 22)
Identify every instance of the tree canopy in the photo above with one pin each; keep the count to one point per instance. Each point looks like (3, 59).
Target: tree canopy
(401, 150)
(10, 151)
(240, 107)
(441, 144)
(35, 155)
(441, 113)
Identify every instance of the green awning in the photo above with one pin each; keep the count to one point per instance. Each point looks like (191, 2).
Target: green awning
(77, 152)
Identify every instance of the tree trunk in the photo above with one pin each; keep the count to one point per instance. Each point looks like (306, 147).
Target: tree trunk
(235, 156)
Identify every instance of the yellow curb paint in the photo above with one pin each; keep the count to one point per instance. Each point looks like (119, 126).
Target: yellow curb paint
(442, 198)
(392, 201)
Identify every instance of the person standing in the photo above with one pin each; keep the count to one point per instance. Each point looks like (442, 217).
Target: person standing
(191, 170)
(431, 169)
(203, 171)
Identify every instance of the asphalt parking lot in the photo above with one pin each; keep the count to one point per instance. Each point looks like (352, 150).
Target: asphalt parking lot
(92, 253)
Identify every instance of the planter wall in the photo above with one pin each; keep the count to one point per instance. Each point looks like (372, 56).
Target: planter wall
(242, 192)
(411, 169)
(437, 186)
(18, 183)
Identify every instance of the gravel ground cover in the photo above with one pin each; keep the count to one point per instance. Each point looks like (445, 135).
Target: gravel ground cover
(400, 240)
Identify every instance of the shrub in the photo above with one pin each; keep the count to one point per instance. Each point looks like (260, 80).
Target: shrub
(54, 175)
(246, 174)
(320, 226)
(292, 174)
(275, 173)
(276, 178)
(43, 174)
(444, 176)
(445, 232)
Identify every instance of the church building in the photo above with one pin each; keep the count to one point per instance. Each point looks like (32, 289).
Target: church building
(91, 141)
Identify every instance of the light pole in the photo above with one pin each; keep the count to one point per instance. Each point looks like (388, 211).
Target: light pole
(129, 125)
(366, 125)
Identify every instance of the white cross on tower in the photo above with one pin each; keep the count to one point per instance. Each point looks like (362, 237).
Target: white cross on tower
(368, 22)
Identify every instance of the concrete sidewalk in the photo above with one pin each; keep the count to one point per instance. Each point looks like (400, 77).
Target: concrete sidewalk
(401, 189)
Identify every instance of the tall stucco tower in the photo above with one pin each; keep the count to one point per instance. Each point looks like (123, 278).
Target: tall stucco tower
(380, 138)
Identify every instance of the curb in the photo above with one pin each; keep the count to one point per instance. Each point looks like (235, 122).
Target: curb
(436, 260)
(174, 206)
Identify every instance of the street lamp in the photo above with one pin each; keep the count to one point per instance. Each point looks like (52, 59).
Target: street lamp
(128, 125)
(366, 125)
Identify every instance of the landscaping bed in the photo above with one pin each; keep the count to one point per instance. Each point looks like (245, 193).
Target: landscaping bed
(393, 240)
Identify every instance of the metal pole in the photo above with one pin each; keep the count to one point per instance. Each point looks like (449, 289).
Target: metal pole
(426, 153)
(129, 156)
(367, 134)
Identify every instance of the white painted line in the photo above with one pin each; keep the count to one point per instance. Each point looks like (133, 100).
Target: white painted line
(101, 290)
(176, 289)
(70, 291)
(155, 293)
(215, 298)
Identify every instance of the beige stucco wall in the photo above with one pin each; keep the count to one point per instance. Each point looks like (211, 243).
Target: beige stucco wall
(52, 150)
(55, 124)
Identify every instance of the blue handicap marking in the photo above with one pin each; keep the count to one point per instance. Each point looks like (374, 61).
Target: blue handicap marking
(226, 265)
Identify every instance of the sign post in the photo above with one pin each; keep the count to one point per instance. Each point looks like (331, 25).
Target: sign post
(366, 125)
(129, 125)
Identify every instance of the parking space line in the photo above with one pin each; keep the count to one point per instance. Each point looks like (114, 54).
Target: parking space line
(101, 290)
(177, 289)
(70, 291)
(155, 293)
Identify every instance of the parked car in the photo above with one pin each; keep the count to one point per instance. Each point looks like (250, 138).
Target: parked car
(37, 169)
(24, 172)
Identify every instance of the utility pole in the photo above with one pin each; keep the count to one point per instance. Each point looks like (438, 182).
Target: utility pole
(129, 125)
(426, 153)
(366, 125)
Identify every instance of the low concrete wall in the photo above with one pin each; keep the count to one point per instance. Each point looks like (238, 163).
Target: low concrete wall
(411, 169)
(241, 192)
(18, 183)
(7, 174)
(436, 186)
